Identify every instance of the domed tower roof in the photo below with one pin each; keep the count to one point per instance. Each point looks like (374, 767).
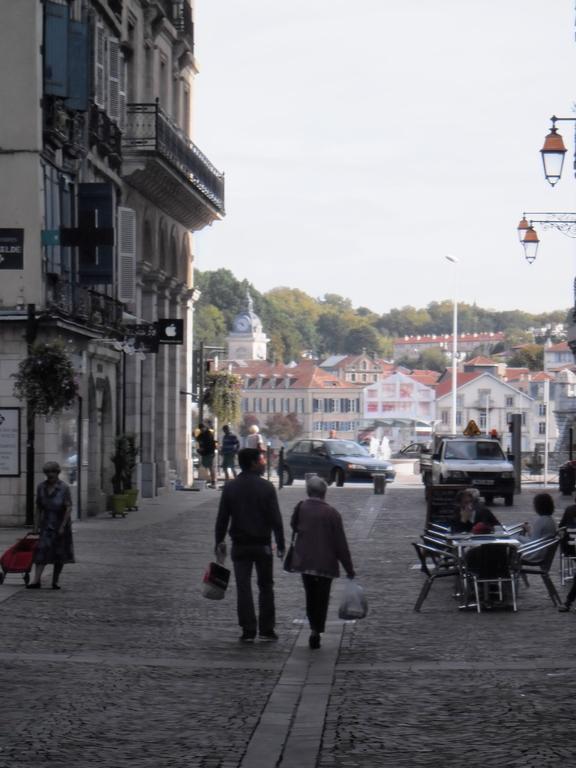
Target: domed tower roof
(247, 321)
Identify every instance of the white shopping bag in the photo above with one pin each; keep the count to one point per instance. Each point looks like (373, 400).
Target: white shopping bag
(353, 604)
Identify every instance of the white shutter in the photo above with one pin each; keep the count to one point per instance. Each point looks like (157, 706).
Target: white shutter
(100, 67)
(122, 92)
(126, 255)
(113, 79)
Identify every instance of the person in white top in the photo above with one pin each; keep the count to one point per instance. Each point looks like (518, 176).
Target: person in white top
(255, 439)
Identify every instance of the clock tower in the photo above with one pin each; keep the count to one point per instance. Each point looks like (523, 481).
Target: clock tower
(247, 340)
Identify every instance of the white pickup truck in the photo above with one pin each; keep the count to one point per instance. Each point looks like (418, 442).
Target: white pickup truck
(475, 463)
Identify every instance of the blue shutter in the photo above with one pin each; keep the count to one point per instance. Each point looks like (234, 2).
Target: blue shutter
(78, 72)
(56, 50)
(99, 198)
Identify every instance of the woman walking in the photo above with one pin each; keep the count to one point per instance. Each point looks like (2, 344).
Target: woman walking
(320, 545)
(54, 505)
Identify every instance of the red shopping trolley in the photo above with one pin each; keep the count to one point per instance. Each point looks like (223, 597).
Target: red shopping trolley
(19, 557)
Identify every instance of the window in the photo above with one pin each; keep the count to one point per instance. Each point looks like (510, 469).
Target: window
(482, 424)
(541, 427)
(317, 405)
(524, 419)
(329, 405)
(458, 418)
(509, 401)
(444, 417)
(542, 409)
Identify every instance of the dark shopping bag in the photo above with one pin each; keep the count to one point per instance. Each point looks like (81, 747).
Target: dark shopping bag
(353, 604)
(288, 564)
(215, 581)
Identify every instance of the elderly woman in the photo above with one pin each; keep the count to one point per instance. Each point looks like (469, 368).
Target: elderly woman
(470, 512)
(54, 507)
(319, 546)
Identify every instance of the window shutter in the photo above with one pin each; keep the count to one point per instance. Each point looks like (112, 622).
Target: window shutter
(78, 66)
(122, 92)
(113, 79)
(100, 67)
(56, 50)
(126, 255)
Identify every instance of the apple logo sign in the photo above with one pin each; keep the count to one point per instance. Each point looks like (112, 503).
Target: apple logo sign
(170, 330)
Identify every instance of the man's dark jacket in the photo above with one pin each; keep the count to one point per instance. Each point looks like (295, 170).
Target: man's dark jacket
(250, 506)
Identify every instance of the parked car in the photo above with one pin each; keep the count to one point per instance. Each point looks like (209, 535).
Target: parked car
(413, 451)
(337, 461)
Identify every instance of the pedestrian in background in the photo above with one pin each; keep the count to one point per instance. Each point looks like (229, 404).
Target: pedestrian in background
(207, 451)
(255, 439)
(249, 511)
(230, 446)
(54, 509)
(320, 545)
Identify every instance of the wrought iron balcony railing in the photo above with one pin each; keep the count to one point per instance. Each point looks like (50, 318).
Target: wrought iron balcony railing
(149, 130)
(84, 304)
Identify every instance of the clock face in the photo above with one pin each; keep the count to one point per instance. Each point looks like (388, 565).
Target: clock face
(242, 324)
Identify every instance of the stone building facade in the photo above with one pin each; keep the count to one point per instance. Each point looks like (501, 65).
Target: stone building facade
(103, 191)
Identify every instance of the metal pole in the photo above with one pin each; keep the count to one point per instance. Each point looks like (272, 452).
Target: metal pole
(201, 385)
(454, 364)
(546, 433)
(31, 331)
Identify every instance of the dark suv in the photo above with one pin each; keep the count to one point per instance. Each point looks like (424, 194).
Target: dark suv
(337, 461)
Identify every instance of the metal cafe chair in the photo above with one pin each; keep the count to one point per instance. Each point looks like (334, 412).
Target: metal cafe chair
(510, 530)
(435, 564)
(535, 559)
(567, 554)
(488, 564)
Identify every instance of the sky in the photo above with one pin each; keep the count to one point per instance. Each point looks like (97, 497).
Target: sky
(363, 142)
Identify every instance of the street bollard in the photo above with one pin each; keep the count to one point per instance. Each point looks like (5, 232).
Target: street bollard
(379, 483)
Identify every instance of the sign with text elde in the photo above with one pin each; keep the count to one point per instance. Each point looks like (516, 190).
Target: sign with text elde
(11, 249)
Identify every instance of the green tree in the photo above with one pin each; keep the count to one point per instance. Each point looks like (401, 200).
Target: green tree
(284, 427)
(362, 337)
(529, 356)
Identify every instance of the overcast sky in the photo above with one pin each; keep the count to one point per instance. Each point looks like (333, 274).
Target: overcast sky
(364, 141)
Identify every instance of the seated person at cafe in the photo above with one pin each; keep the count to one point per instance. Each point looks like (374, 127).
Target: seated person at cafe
(543, 527)
(470, 511)
(568, 521)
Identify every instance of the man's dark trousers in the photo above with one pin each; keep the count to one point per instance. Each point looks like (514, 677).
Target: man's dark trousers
(244, 557)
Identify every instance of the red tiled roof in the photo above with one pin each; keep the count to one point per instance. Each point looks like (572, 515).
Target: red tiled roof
(304, 375)
(480, 360)
(561, 346)
(542, 376)
(445, 386)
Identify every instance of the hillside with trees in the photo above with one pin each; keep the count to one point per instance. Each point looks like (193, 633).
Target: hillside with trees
(298, 323)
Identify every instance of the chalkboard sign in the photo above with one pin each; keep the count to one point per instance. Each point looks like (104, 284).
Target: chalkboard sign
(441, 503)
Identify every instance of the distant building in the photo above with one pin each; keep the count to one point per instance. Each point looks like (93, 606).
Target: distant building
(413, 346)
(247, 340)
(357, 369)
(557, 356)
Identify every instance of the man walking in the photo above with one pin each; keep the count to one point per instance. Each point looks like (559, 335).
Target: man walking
(230, 446)
(207, 451)
(249, 507)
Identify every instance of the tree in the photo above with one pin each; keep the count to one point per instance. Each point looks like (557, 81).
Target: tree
(248, 420)
(529, 356)
(284, 427)
(363, 337)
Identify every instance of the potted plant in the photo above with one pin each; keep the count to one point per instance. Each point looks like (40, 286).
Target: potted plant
(124, 459)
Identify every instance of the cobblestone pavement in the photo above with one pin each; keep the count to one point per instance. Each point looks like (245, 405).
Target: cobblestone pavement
(129, 665)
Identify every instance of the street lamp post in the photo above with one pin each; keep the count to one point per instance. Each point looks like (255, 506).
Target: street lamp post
(454, 260)
(564, 222)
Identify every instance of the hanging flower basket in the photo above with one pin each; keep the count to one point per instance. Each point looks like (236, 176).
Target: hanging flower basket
(222, 396)
(45, 380)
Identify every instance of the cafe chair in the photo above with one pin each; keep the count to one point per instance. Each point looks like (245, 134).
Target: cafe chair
(491, 564)
(567, 554)
(435, 564)
(510, 530)
(535, 559)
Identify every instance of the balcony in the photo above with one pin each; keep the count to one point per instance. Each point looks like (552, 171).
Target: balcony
(163, 164)
(83, 305)
(105, 137)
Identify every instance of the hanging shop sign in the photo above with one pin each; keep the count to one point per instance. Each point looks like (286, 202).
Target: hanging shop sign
(9, 442)
(170, 331)
(11, 249)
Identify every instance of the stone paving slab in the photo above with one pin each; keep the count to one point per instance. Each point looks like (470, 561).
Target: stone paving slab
(128, 664)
